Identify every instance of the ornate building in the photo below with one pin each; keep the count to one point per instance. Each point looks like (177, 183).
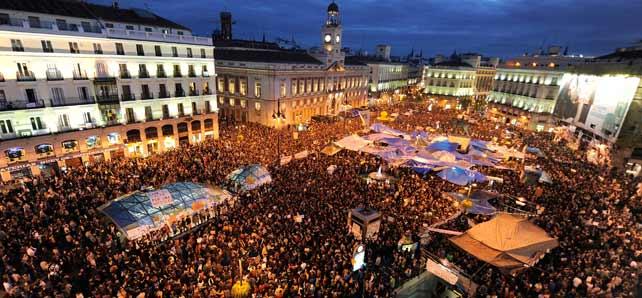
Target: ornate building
(260, 82)
(81, 82)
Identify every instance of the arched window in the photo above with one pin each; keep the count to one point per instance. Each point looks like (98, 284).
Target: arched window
(168, 130)
(208, 123)
(44, 148)
(196, 125)
(133, 136)
(182, 127)
(151, 133)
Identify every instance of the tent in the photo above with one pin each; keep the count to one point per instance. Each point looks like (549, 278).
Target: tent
(461, 176)
(442, 146)
(250, 177)
(138, 213)
(381, 128)
(352, 142)
(508, 242)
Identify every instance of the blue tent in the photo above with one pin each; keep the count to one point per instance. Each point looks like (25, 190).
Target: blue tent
(419, 134)
(419, 167)
(461, 176)
(396, 142)
(535, 151)
(250, 177)
(479, 144)
(442, 146)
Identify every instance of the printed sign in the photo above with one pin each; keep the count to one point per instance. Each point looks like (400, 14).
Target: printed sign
(160, 198)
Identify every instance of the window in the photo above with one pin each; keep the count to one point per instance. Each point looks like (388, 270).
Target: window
(257, 89)
(208, 107)
(181, 110)
(36, 123)
(124, 73)
(194, 109)
(16, 45)
(190, 71)
(5, 126)
(109, 25)
(204, 71)
(283, 89)
(257, 106)
(293, 87)
(178, 87)
(61, 24)
(203, 55)
(147, 29)
(174, 52)
(165, 111)
(139, 50)
(179, 32)
(160, 71)
(46, 46)
(63, 121)
(145, 93)
(149, 116)
(162, 91)
(3, 97)
(130, 117)
(98, 49)
(83, 93)
(73, 48)
(232, 85)
(129, 27)
(177, 71)
(119, 49)
(159, 52)
(243, 86)
(221, 85)
(57, 96)
(232, 102)
(87, 117)
(189, 53)
(142, 71)
(34, 22)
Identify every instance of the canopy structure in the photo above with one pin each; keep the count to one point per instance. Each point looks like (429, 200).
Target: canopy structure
(331, 150)
(352, 142)
(442, 146)
(249, 178)
(140, 212)
(508, 242)
(461, 176)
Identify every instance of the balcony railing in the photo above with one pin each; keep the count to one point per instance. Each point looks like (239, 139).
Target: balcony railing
(124, 74)
(25, 76)
(146, 96)
(70, 101)
(163, 95)
(179, 93)
(80, 75)
(161, 74)
(193, 93)
(143, 75)
(206, 74)
(107, 98)
(21, 105)
(178, 75)
(207, 92)
(128, 97)
(191, 74)
(54, 75)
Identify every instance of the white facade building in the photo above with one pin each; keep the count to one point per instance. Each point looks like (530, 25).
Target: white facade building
(82, 82)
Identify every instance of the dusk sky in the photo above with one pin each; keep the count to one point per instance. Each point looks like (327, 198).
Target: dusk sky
(492, 27)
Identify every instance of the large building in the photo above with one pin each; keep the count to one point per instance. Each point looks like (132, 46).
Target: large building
(263, 83)
(82, 82)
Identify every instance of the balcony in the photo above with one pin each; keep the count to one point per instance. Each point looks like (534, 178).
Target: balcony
(178, 75)
(143, 75)
(145, 96)
(25, 76)
(163, 95)
(191, 74)
(179, 93)
(21, 105)
(158, 36)
(207, 92)
(67, 101)
(54, 75)
(24, 25)
(124, 74)
(206, 74)
(128, 97)
(193, 93)
(107, 99)
(80, 75)
(161, 74)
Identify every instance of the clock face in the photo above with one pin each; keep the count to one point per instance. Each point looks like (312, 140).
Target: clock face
(328, 38)
(338, 38)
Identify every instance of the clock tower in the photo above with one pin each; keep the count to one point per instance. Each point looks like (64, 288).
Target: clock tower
(331, 36)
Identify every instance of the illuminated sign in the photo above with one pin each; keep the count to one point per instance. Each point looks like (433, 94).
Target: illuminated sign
(358, 257)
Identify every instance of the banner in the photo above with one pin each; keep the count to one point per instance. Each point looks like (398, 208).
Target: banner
(160, 198)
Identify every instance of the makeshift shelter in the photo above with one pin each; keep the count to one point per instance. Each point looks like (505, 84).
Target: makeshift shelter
(442, 146)
(138, 213)
(248, 178)
(479, 199)
(352, 142)
(508, 242)
(331, 150)
(381, 128)
(461, 176)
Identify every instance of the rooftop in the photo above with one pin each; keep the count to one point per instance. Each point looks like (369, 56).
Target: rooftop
(636, 54)
(452, 63)
(266, 56)
(82, 9)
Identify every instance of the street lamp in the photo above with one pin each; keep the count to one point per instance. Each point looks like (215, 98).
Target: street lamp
(278, 116)
(345, 112)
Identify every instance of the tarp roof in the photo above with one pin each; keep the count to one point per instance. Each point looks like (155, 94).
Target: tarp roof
(250, 177)
(507, 241)
(139, 211)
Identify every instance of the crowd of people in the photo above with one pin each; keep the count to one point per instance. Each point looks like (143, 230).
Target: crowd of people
(290, 236)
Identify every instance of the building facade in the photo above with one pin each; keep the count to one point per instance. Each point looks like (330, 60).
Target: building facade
(525, 97)
(84, 82)
(450, 79)
(260, 82)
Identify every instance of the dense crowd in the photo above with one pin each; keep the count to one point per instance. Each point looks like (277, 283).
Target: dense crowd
(54, 243)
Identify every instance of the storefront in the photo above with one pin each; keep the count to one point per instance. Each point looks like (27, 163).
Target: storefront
(48, 167)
